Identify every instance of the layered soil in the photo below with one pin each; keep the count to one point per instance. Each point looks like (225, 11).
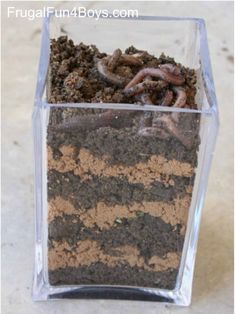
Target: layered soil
(119, 182)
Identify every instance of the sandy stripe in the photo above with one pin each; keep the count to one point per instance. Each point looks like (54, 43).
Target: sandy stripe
(83, 163)
(87, 252)
(104, 216)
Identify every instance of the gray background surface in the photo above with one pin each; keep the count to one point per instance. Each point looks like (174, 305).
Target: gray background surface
(213, 283)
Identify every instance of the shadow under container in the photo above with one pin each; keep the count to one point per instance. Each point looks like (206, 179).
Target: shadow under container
(118, 212)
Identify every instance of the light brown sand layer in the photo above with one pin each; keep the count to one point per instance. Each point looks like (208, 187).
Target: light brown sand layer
(83, 163)
(87, 252)
(104, 216)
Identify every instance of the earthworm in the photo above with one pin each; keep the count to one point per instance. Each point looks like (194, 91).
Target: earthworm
(170, 68)
(167, 99)
(141, 87)
(130, 60)
(180, 101)
(113, 118)
(146, 99)
(114, 59)
(181, 96)
(166, 122)
(119, 58)
(140, 54)
(150, 131)
(108, 75)
(156, 72)
(163, 127)
(106, 65)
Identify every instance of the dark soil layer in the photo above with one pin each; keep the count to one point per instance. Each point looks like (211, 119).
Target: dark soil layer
(126, 139)
(124, 275)
(152, 234)
(110, 190)
(125, 145)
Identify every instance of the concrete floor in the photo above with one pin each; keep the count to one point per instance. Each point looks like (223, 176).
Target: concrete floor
(213, 283)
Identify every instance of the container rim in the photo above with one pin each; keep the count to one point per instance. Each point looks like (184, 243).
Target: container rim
(124, 106)
(204, 61)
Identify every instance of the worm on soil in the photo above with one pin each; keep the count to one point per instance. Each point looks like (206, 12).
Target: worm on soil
(125, 59)
(110, 77)
(146, 99)
(146, 85)
(180, 101)
(169, 67)
(156, 72)
(167, 99)
(181, 96)
(130, 60)
(114, 60)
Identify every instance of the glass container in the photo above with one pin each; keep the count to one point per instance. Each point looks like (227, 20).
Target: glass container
(118, 203)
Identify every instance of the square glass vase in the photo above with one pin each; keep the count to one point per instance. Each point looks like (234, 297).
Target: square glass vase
(118, 205)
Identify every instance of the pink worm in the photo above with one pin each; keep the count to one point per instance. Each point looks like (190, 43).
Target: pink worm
(156, 72)
(110, 118)
(180, 101)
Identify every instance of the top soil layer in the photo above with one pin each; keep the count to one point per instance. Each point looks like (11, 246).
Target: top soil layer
(75, 75)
